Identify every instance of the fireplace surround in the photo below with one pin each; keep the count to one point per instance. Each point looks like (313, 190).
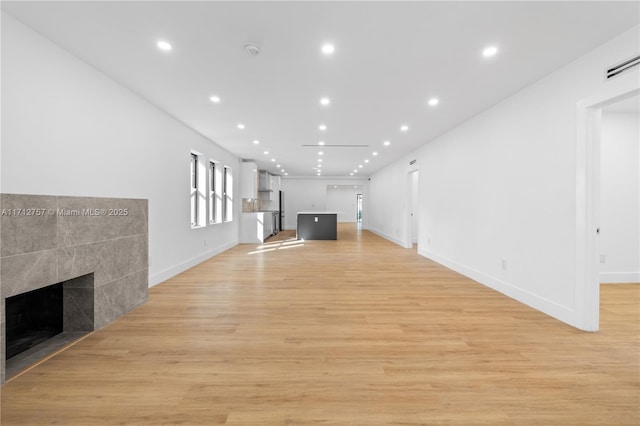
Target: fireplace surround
(96, 249)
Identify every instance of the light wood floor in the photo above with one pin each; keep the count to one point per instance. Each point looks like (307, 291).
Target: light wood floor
(357, 331)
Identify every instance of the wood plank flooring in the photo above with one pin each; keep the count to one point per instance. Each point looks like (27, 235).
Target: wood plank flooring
(357, 331)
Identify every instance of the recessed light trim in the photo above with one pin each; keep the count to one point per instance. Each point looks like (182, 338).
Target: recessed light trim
(256, 142)
(328, 48)
(404, 128)
(386, 143)
(240, 126)
(320, 153)
(163, 45)
(321, 143)
(433, 101)
(375, 153)
(215, 99)
(322, 127)
(325, 101)
(490, 51)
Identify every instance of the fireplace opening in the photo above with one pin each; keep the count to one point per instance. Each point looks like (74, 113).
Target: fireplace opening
(32, 318)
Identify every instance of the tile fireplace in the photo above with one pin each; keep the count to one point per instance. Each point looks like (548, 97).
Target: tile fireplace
(88, 256)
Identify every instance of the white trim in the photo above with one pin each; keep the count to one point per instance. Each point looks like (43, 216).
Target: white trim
(619, 277)
(175, 270)
(546, 306)
(587, 285)
(390, 238)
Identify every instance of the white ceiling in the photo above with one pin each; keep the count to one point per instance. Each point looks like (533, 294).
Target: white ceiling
(390, 58)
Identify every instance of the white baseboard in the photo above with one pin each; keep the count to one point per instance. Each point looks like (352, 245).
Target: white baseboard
(534, 301)
(388, 237)
(175, 270)
(619, 277)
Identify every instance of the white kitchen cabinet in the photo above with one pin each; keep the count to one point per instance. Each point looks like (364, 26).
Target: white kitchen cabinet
(249, 180)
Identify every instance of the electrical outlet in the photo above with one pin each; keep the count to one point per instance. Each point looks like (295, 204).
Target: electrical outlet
(603, 258)
(504, 264)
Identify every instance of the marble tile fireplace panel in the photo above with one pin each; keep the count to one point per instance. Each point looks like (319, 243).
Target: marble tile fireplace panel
(46, 240)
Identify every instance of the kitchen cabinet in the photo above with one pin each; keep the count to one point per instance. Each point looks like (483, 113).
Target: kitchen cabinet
(249, 180)
(257, 227)
(264, 181)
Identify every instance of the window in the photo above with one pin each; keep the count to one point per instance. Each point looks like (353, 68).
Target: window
(213, 194)
(227, 188)
(198, 190)
(194, 189)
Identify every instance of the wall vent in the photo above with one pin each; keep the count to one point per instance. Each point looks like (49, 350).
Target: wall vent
(622, 67)
(412, 162)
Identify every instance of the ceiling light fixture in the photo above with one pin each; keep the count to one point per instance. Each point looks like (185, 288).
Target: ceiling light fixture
(278, 165)
(325, 101)
(490, 51)
(366, 161)
(266, 153)
(433, 101)
(387, 143)
(240, 126)
(328, 48)
(164, 46)
(404, 128)
(350, 174)
(320, 153)
(215, 99)
(322, 127)
(359, 166)
(321, 143)
(273, 159)
(319, 160)
(375, 153)
(256, 142)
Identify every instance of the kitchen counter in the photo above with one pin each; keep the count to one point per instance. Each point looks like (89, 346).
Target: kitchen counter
(256, 227)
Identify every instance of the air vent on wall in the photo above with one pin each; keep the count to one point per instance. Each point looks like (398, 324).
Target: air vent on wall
(412, 162)
(623, 66)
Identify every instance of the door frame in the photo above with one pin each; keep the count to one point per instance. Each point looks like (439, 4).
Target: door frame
(589, 112)
(407, 204)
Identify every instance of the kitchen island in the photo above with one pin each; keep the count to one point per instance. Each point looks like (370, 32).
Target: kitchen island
(317, 226)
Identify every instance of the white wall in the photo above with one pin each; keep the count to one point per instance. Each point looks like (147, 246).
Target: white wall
(344, 201)
(502, 186)
(620, 198)
(310, 194)
(68, 129)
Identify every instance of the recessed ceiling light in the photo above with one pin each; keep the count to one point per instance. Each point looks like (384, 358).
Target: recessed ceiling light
(321, 143)
(490, 51)
(286, 174)
(355, 171)
(282, 170)
(433, 101)
(366, 161)
(319, 165)
(256, 142)
(322, 127)
(387, 143)
(325, 101)
(350, 174)
(359, 166)
(320, 153)
(215, 99)
(163, 45)
(328, 48)
(319, 160)
(273, 159)
(240, 126)
(375, 153)
(278, 165)
(266, 153)
(404, 128)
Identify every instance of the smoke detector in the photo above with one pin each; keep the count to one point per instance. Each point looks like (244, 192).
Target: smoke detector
(252, 49)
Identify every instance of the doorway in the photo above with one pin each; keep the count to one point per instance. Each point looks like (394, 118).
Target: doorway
(359, 208)
(589, 114)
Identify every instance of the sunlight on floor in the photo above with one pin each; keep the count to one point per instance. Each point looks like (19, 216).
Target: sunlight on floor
(278, 245)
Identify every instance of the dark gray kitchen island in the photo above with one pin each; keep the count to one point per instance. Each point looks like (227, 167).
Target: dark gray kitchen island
(317, 226)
